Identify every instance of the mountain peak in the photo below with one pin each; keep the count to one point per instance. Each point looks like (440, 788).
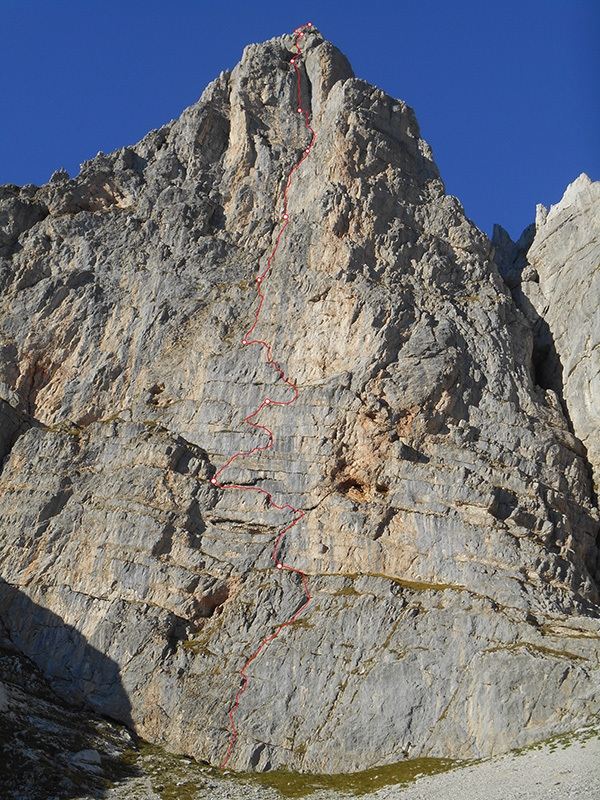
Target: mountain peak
(392, 390)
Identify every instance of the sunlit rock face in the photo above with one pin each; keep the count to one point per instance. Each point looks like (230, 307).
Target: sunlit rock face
(450, 529)
(560, 291)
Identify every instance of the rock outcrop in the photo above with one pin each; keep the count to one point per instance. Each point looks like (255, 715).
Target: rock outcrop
(450, 536)
(558, 288)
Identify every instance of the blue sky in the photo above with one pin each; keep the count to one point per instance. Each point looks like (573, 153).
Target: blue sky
(506, 91)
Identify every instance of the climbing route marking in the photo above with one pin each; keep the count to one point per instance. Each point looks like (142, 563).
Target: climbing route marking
(247, 340)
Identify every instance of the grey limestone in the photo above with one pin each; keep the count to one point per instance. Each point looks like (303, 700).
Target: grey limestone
(450, 529)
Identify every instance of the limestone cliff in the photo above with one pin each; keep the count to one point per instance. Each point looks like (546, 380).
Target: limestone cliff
(450, 529)
(557, 286)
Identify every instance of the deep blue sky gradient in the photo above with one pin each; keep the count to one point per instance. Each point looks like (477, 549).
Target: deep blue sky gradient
(507, 92)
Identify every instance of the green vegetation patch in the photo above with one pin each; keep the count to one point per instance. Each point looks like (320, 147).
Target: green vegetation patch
(562, 741)
(176, 777)
(293, 784)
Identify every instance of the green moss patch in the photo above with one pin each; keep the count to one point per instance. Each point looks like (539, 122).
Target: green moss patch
(291, 784)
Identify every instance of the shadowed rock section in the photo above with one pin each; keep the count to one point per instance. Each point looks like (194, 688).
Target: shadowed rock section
(50, 748)
(451, 525)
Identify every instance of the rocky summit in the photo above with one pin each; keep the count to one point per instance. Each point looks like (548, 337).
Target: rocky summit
(444, 444)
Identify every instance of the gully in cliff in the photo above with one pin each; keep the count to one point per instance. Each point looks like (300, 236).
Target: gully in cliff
(249, 340)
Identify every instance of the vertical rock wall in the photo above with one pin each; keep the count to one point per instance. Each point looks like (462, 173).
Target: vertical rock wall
(450, 536)
(564, 293)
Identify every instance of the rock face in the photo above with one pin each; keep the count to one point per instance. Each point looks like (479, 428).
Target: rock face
(558, 291)
(49, 750)
(450, 529)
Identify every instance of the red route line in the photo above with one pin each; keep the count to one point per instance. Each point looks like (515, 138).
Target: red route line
(267, 401)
